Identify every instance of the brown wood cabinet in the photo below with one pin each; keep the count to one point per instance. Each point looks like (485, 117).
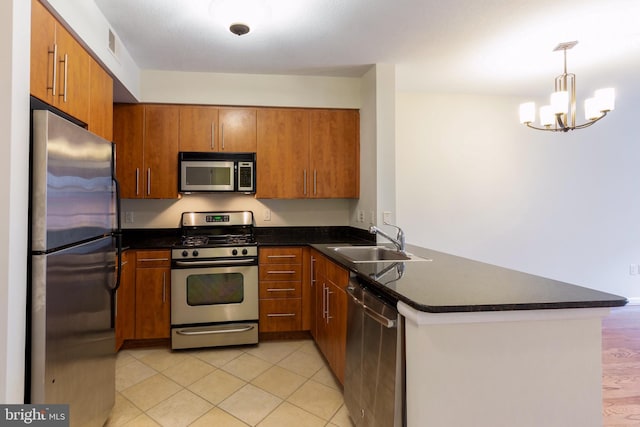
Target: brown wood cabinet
(152, 294)
(60, 67)
(126, 300)
(213, 129)
(101, 102)
(331, 312)
(335, 154)
(280, 281)
(308, 153)
(146, 138)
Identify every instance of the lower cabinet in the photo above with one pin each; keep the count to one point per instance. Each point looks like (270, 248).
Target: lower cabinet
(329, 300)
(143, 304)
(125, 310)
(281, 272)
(153, 287)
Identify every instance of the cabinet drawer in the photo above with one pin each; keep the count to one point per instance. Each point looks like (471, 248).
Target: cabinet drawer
(279, 315)
(154, 258)
(280, 289)
(287, 255)
(280, 272)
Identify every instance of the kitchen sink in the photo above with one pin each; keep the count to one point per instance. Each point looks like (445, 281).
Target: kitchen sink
(362, 254)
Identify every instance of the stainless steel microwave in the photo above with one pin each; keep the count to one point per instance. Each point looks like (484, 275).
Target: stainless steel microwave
(217, 172)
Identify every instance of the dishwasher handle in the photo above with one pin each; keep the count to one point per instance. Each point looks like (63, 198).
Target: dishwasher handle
(373, 314)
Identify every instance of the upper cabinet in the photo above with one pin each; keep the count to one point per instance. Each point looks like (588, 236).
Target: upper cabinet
(146, 138)
(65, 76)
(60, 67)
(101, 102)
(283, 153)
(207, 129)
(308, 153)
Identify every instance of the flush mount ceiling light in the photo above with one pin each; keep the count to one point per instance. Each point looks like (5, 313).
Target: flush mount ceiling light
(560, 114)
(239, 16)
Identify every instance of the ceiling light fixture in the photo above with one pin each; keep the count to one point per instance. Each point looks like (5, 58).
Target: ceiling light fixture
(560, 114)
(239, 29)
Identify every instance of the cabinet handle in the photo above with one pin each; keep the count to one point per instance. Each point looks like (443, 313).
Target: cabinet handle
(315, 183)
(137, 181)
(325, 304)
(328, 301)
(213, 135)
(54, 77)
(66, 68)
(153, 259)
(222, 135)
(281, 256)
(281, 315)
(123, 263)
(313, 279)
(148, 181)
(281, 272)
(164, 287)
(281, 289)
(304, 182)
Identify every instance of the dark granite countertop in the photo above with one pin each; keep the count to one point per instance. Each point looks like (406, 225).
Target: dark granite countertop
(448, 283)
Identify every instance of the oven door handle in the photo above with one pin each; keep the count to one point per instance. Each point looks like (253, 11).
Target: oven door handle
(214, 262)
(214, 331)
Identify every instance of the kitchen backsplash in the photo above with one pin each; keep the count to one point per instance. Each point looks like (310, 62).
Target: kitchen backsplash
(154, 213)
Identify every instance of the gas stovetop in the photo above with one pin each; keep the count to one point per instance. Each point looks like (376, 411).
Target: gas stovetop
(216, 235)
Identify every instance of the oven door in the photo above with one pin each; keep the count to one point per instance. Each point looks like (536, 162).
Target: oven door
(205, 295)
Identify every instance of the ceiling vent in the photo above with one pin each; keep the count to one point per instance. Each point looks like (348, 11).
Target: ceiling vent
(112, 42)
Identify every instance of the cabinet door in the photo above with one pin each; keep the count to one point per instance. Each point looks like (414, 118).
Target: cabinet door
(337, 329)
(74, 65)
(335, 151)
(128, 125)
(43, 34)
(198, 129)
(237, 130)
(101, 102)
(161, 152)
(283, 154)
(152, 303)
(125, 300)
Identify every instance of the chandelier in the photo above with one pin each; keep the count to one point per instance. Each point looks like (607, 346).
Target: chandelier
(560, 114)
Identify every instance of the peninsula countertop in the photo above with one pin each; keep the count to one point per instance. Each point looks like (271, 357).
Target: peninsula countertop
(446, 283)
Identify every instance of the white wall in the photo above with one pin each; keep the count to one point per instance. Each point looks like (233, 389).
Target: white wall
(14, 177)
(474, 182)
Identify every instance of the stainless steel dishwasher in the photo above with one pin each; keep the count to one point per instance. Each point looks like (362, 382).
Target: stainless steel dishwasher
(374, 373)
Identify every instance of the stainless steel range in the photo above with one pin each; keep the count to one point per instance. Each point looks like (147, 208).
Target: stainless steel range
(214, 281)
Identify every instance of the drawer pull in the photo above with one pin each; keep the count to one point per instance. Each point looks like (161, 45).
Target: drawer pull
(281, 272)
(281, 256)
(153, 259)
(281, 289)
(281, 315)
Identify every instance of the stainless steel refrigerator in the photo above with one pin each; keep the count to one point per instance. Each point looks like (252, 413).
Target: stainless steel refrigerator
(73, 248)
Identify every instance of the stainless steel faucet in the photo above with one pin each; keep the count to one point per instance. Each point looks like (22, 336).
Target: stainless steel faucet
(398, 241)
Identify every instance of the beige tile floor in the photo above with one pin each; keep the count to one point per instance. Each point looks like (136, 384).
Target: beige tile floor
(273, 384)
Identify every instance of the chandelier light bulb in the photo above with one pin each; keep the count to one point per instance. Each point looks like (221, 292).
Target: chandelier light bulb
(527, 112)
(547, 118)
(560, 102)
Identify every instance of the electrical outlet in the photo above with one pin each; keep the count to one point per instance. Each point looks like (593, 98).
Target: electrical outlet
(360, 216)
(128, 217)
(266, 215)
(633, 269)
(386, 217)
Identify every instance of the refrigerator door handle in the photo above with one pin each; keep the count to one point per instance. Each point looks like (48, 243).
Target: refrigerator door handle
(118, 235)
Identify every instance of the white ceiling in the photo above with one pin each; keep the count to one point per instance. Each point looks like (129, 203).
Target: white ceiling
(482, 46)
